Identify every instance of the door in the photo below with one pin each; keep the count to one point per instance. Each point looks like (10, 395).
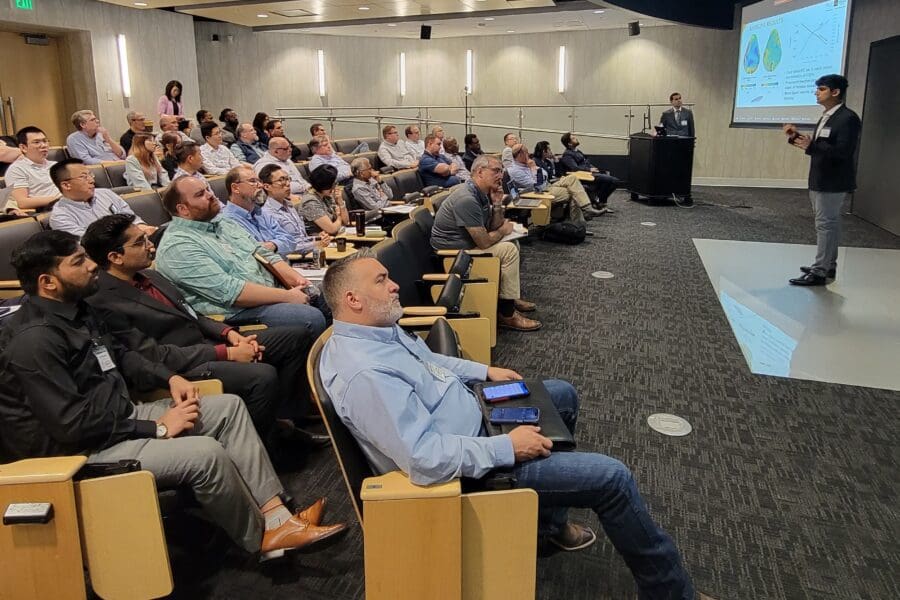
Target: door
(31, 88)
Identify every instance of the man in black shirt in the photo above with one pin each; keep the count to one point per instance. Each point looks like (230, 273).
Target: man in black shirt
(473, 149)
(63, 391)
(574, 159)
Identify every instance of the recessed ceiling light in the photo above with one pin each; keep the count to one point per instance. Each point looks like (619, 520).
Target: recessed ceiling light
(392, 24)
(489, 18)
(599, 12)
(363, 8)
(510, 31)
(140, 4)
(263, 16)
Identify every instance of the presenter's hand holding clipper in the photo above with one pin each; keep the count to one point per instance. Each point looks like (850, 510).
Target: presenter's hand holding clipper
(795, 138)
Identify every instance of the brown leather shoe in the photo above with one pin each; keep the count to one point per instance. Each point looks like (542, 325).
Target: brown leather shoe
(574, 537)
(293, 534)
(518, 322)
(312, 514)
(524, 306)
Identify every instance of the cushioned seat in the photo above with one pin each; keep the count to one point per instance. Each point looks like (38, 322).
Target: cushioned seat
(12, 235)
(217, 184)
(408, 181)
(116, 173)
(101, 179)
(148, 206)
(373, 143)
(57, 153)
(345, 146)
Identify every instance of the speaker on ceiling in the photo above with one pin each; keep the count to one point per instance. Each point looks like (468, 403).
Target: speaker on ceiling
(425, 32)
(634, 28)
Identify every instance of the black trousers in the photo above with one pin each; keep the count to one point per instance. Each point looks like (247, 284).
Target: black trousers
(601, 188)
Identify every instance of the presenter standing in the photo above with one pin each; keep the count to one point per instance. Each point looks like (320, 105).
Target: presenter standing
(677, 120)
(832, 173)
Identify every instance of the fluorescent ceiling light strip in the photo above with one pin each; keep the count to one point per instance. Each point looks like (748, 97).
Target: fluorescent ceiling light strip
(402, 74)
(123, 65)
(470, 72)
(321, 58)
(561, 74)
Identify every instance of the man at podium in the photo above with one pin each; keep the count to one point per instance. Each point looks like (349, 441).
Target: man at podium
(677, 120)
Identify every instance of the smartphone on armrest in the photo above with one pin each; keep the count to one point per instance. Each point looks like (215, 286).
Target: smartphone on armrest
(508, 391)
(526, 415)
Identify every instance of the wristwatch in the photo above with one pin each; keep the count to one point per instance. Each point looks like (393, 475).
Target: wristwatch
(162, 431)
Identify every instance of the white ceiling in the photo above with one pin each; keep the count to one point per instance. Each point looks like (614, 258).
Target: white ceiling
(403, 18)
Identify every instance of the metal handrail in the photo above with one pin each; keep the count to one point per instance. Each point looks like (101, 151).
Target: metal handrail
(377, 116)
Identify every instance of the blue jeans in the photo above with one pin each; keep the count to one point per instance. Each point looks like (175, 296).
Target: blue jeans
(283, 313)
(601, 483)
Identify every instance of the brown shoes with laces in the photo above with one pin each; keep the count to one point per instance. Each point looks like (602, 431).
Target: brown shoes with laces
(299, 531)
(524, 306)
(518, 322)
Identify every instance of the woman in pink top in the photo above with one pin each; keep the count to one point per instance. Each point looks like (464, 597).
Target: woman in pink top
(170, 102)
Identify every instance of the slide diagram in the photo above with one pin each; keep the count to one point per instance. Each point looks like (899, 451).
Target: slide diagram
(782, 55)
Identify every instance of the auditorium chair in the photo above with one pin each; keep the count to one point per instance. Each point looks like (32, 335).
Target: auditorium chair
(345, 146)
(373, 142)
(305, 154)
(148, 205)
(432, 541)
(115, 170)
(217, 185)
(12, 235)
(408, 181)
(57, 153)
(304, 170)
(101, 179)
(2, 183)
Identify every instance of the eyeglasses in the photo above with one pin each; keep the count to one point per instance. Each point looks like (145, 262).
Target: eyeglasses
(251, 181)
(493, 169)
(284, 149)
(281, 180)
(141, 241)
(84, 177)
(40, 142)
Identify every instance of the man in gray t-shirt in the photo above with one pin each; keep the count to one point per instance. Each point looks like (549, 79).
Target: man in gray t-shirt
(472, 217)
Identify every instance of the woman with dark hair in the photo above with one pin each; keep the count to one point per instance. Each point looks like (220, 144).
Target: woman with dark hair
(259, 124)
(142, 169)
(168, 141)
(170, 103)
(321, 208)
(544, 159)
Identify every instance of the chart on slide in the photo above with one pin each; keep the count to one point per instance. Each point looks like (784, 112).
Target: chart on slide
(783, 55)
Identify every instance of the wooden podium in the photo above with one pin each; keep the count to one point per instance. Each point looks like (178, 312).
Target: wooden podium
(660, 166)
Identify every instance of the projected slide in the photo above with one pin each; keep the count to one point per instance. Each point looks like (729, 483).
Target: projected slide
(785, 46)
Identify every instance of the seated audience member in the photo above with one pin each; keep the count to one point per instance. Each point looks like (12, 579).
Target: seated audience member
(185, 127)
(168, 142)
(438, 132)
(265, 369)
(247, 147)
(259, 126)
(203, 116)
(230, 121)
(472, 217)
(509, 140)
(171, 103)
(216, 157)
(64, 388)
(434, 167)
(190, 161)
(412, 141)
(211, 260)
(245, 199)
(142, 169)
(279, 206)
(9, 153)
(321, 208)
(317, 129)
(275, 128)
(473, 149)
(136, 124)
(523, 174)
(544, 159)
(81, 204)
(369, 191)
(29, 176)
(90, 142)
(324, 155)
(395, 153)
(451, 151)
(279, 153)
(411, 410)
(574, 160)
(171, 124)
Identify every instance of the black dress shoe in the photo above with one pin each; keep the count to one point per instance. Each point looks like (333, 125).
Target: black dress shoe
(295, 436)
(809, 279)
(832, 274)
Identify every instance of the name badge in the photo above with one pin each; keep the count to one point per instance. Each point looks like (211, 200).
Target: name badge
(438, 372)
(684, 122)
(826, 132)
(103, 357)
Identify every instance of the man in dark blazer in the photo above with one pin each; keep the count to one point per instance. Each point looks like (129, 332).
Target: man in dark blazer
(678, 120)
(265, 369)
(574, 159)
(832, 173)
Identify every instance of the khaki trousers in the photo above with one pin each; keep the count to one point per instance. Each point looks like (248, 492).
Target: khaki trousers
(508, 253)
(569, 189)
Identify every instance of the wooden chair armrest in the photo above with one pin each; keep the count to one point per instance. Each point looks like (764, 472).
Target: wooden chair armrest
(424, 311)
(538, 195)
(435, 277)
(447, 252)
(10, 284)
(397, 486)
(257, 327)
(418, 322)
(583, 175)
(207, 387)
(41, 470)
(218, 318)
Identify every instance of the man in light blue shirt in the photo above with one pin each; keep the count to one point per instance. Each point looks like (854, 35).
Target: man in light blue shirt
(245, 198)
(411, 409)
(90, 142)
(212, 261)
(279, 207)
(320, 146)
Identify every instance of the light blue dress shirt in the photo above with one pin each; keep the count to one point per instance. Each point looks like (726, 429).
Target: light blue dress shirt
(290, 221)
(261, 225)
(75, 217)
(522, 175)
(342, 166)
(408, 407)
(91, 150)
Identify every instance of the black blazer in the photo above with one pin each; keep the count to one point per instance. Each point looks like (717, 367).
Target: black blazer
(124, 307)
(673, 126)
(832, 165)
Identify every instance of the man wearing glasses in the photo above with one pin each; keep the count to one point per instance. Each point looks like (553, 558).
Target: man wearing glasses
(29, 175)
(279, 153)
(245, 199)
(135, 125)
(91, 142)
(415, 145)
(81, 203)
(278, 205)
(217, 158)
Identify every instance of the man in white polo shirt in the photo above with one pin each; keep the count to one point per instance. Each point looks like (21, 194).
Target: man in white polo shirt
(29, 175)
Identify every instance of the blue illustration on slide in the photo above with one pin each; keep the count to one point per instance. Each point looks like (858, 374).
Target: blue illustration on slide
(751, 55)
(772, 53)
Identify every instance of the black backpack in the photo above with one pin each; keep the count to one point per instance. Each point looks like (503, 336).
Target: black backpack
(565, 232)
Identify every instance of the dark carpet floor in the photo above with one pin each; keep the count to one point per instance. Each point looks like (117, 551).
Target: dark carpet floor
(786, 489)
